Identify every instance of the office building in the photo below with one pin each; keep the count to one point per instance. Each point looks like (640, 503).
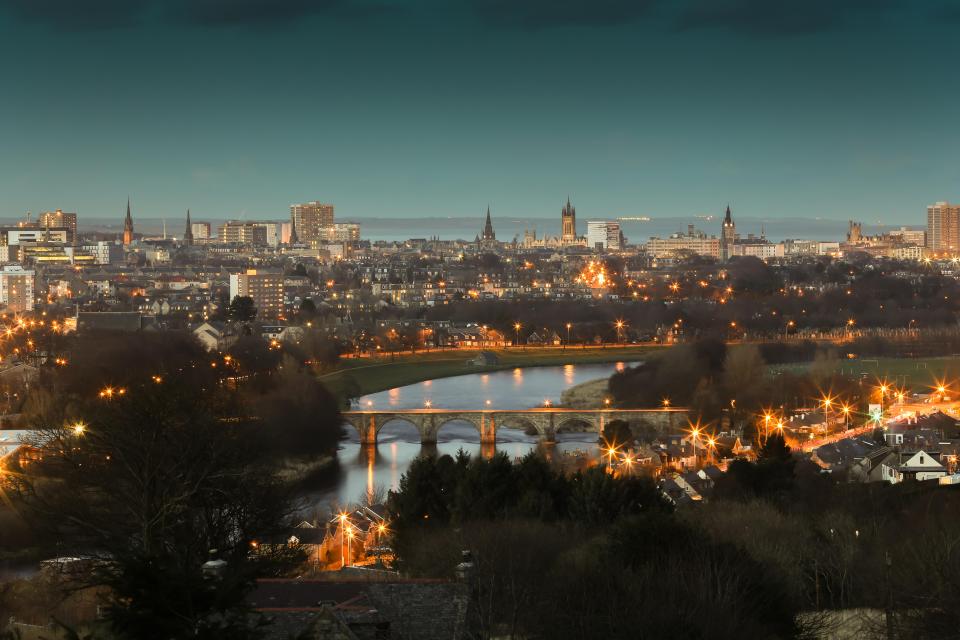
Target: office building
(604, 234)
(16, 288)
(264, 287)
(943, 227)
(309, 220)
(61, 219)
(25, 235)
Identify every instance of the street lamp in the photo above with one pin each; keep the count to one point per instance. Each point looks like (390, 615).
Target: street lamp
(846, 416)
(343, 524)
(516, 329)
(568, 333)
(883, 394)
(827, 403)
(694, 434)
(619, 325)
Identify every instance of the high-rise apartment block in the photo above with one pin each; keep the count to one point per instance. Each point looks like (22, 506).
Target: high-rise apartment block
(16, 288)
(943, 227)
(62, 219)
(264, 287)
(311, 220)
(201, 230)
(238, 232)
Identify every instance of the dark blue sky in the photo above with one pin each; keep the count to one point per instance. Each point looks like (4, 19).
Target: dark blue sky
(437, 107)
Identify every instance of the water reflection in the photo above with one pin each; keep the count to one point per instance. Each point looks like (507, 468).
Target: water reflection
(366, 468)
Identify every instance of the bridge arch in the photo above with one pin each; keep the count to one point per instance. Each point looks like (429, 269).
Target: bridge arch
(399, 424)
(431, 432)
(516, 421)
(568, 424)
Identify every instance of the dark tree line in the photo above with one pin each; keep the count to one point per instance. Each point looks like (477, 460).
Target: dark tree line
(777, 550)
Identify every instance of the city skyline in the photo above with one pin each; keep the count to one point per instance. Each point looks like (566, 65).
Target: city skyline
(801, 110)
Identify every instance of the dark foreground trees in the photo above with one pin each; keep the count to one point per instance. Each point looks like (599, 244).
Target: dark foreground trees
(148, 481)
(154, 469)
(590, 556)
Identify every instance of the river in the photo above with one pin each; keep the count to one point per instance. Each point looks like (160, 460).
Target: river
(365, 468)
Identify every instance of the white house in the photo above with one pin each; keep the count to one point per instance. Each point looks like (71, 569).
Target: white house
(921, 466)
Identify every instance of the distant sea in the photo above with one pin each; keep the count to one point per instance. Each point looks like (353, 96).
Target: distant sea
(507, 228)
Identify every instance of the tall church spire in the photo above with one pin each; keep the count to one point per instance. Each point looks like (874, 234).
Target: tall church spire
(188, 232)
(488, 233)
(128, 226)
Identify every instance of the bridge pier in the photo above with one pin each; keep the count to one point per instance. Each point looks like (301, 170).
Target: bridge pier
(488, 429)
(368, 431)
(428, 431)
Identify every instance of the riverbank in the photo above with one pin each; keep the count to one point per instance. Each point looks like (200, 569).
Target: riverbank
(362, 376)
(586, 395)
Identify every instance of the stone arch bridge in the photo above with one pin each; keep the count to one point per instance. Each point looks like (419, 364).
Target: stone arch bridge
(547, 422)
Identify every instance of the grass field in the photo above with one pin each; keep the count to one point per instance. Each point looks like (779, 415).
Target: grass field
(917, 374)
(368, 375)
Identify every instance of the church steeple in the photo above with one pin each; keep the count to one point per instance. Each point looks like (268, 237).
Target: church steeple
(128, 226)
(188, 232)
(728, 236)
(488, 234)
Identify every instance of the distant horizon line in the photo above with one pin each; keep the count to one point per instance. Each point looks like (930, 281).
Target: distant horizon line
(513, 218)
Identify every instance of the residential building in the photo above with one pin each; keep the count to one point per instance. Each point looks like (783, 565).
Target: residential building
(104, 252)
(310, 220)
(9, 253)
(200, 230)
(344, 232)
(264, 287)
(241, 232)
(943, 227)
(16, 288)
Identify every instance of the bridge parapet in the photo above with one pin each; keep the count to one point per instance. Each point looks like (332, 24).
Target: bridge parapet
(547, 422)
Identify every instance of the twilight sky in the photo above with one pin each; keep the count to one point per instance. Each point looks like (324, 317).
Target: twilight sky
(833, 108)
